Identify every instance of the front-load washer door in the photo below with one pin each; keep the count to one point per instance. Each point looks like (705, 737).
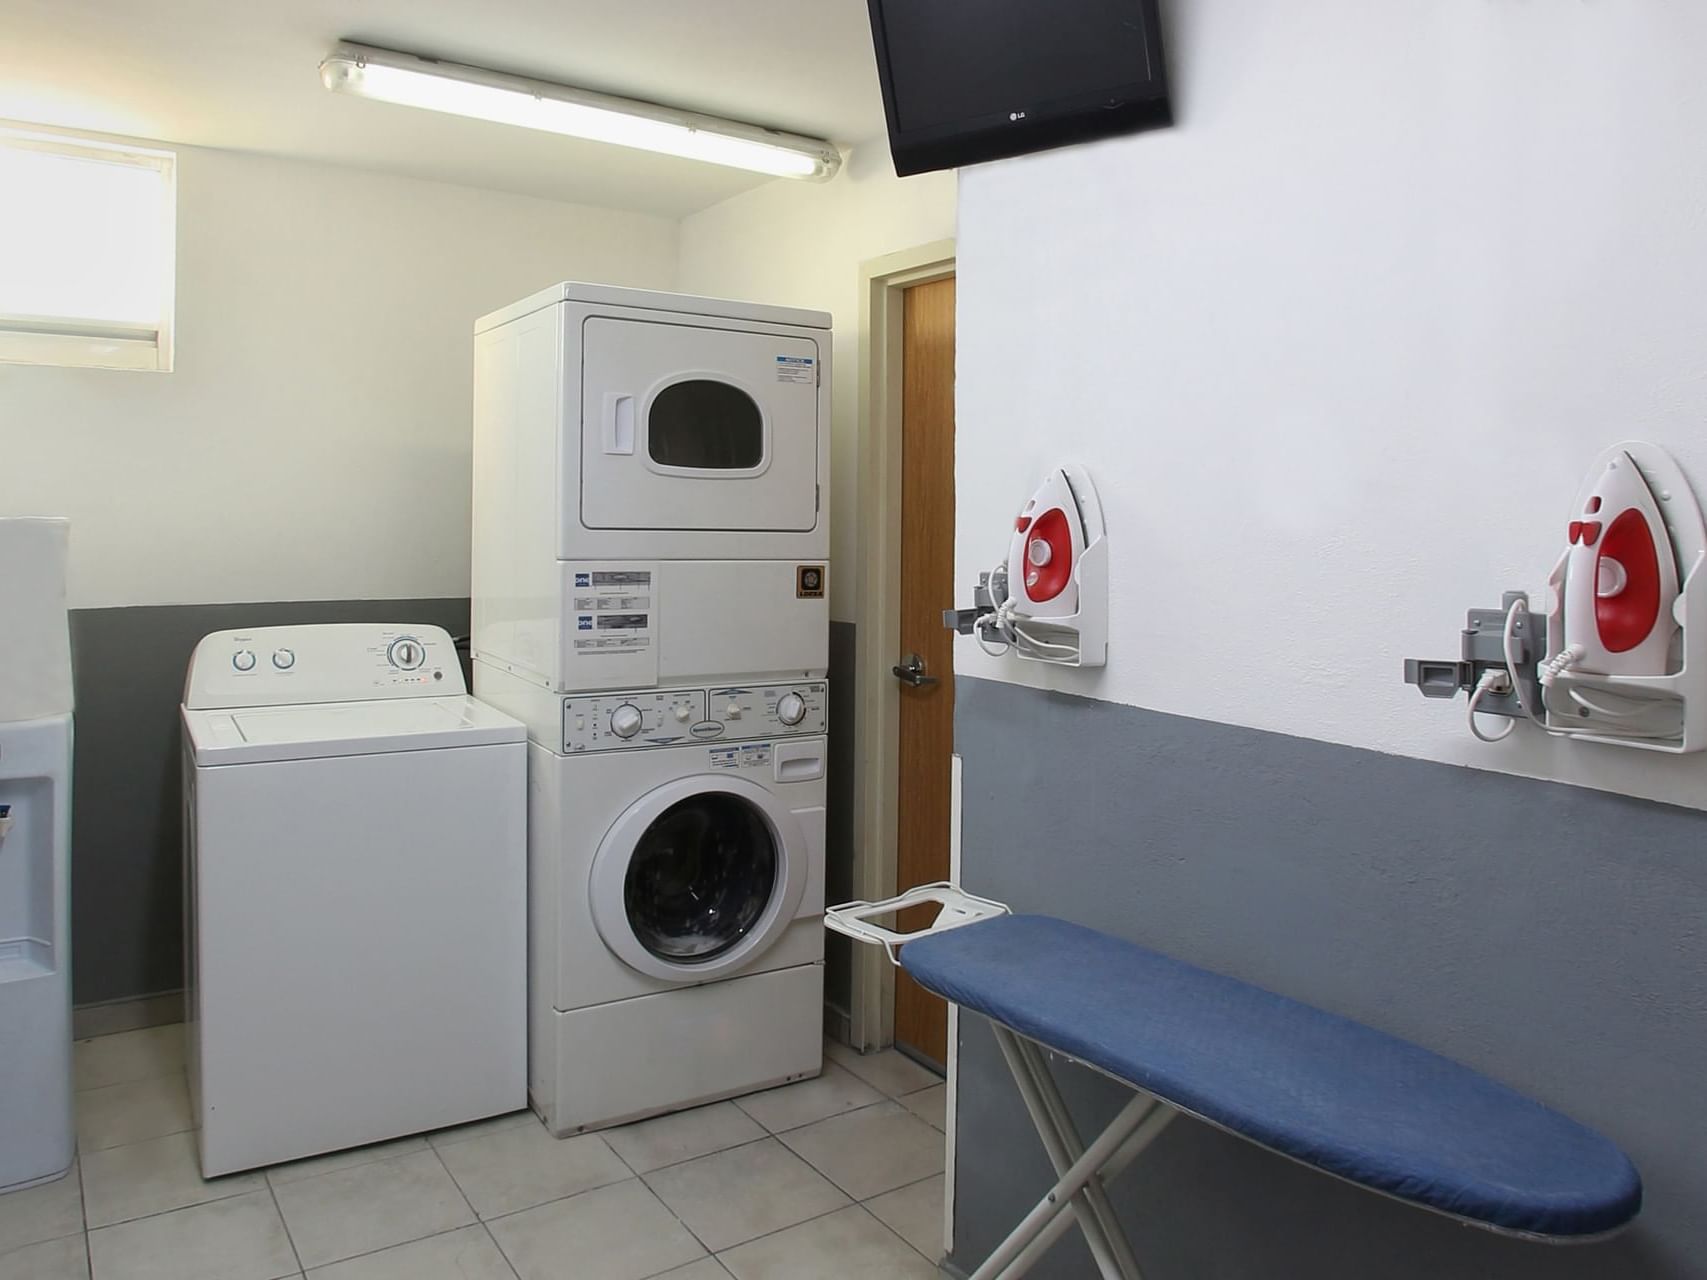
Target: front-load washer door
(698, 878)
(689, 427)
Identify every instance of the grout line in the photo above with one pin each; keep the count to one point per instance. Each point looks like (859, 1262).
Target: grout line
(903, 1239)
(459, 1191)
(777, 1231)
(892, 1190)
(290, 1239)
(508, 1265)
(368, 1253)
(83, 1202)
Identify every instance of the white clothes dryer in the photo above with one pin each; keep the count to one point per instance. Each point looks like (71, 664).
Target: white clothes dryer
(676, 879)
(651, 489)
(355, 892)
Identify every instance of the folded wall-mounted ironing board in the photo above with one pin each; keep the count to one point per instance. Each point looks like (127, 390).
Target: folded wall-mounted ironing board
(1320, 1089)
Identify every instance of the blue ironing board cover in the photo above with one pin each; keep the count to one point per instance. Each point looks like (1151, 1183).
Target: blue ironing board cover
(1320, 1088)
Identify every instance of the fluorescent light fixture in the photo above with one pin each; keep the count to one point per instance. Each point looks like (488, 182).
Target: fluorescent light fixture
(458, 90)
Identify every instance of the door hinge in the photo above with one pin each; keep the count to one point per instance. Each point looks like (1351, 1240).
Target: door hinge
(819, 370)
(817, 498)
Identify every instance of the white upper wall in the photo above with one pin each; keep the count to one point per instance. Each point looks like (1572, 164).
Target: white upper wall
(1339, 348)
(314, 439)
(801, 244)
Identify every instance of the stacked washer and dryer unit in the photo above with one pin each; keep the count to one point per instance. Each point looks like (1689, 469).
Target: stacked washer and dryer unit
(651, 538)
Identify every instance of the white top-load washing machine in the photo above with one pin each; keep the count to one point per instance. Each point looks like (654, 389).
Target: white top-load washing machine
(651, 487)
(676, 897)
(356, 892)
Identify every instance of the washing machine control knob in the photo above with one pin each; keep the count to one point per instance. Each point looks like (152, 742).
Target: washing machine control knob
(791, 708)
(732, 711)
(406, 652)
(683, 714)
(625, 720)
(284, 659)
(243, 660)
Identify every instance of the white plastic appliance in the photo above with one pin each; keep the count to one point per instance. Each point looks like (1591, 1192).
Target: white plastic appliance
(1627, 615)
(676, 859)
(651, 485)
(1048, 600)
(356, 892)
(35, 854)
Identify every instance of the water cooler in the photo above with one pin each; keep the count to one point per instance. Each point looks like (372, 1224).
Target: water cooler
(35, 854)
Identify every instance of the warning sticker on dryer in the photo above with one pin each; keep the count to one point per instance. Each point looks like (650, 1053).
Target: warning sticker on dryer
(796, 369)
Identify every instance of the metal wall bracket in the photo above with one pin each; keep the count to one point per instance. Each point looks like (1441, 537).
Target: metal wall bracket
(1482, 649)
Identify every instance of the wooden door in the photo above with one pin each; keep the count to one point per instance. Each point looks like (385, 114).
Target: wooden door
(927, 588)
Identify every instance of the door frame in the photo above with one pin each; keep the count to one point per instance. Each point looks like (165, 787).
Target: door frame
(877, 722)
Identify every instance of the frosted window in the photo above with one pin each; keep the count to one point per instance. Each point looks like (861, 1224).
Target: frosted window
(86, 253)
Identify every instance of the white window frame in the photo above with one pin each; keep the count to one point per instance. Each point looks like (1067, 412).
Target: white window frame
(99, 344)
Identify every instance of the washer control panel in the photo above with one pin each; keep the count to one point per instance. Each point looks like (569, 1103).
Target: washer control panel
(771, 710)
(644, 718)
(329, 662)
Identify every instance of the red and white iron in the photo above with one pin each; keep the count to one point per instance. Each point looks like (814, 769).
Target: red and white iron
(1627, 617)
(1621, 577)
(1049, 537)
(1048, 600)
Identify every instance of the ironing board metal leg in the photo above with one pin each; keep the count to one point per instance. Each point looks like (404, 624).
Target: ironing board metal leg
(1071, 1147)
(1079, 1169)
(1041, 1243)
(1064, 1195)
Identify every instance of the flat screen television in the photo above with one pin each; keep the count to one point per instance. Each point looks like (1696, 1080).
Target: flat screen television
(971, 80)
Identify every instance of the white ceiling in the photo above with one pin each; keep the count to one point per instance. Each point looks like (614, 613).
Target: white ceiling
(243, 74)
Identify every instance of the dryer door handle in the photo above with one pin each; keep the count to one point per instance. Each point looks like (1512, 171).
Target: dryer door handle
(619, 422)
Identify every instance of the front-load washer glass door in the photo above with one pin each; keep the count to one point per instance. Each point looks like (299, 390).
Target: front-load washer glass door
(698, 878)
(689, 427)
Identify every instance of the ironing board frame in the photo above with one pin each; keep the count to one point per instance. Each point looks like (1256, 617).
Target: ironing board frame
(1082, 1172)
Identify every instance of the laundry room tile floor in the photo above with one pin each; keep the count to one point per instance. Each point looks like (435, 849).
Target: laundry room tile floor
(836, 1178)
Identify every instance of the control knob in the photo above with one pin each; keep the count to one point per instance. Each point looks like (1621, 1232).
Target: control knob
(791, 708)
(243, 660)
(284, 659)
(406, 652)
(625, 720)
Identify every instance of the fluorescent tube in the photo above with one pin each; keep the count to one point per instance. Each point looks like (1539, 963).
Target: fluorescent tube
(458, 90)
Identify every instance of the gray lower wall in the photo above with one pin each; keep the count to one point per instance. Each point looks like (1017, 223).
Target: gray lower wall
(126, 884)
(1551, 936)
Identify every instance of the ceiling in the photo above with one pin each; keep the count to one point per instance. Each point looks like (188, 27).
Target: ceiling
(243, 74)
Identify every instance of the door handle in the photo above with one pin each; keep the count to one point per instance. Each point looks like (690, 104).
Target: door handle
(912, 671)
(619, 422)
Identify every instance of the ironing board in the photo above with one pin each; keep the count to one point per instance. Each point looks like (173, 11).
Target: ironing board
(1320, 1089)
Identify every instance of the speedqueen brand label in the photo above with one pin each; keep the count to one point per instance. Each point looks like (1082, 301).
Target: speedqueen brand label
(809, 582)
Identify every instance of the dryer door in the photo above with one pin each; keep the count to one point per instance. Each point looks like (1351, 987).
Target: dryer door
(698, 878)
(688, 427)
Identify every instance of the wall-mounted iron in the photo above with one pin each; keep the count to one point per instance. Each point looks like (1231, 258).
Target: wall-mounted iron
(1619, 656)
(1048, 600)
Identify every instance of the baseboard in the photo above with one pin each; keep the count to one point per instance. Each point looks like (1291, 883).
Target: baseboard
(112, 1016)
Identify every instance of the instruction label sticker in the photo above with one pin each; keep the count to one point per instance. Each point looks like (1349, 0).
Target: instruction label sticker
(796, 369)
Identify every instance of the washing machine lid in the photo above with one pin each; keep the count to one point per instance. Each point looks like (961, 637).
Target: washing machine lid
(253, 735)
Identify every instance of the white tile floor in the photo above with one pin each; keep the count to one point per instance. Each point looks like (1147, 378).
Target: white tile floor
(837, 1178)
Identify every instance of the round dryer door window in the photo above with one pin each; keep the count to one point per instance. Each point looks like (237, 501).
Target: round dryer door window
(701, 877)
